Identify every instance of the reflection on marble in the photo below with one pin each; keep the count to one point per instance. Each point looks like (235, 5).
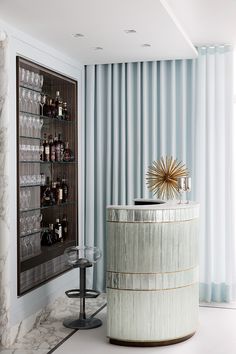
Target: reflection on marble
(4, 199)
(48, 329)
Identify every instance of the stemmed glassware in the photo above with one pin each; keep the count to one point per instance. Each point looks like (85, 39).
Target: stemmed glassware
(184, 185)
(42, 100)
(188, 187)
(181, 187)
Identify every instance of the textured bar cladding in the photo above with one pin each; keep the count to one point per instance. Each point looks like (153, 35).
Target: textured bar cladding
(152, 273)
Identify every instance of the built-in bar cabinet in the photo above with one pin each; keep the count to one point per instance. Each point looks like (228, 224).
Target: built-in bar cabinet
(47, 176)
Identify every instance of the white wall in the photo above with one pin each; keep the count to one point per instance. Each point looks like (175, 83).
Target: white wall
(28, 47)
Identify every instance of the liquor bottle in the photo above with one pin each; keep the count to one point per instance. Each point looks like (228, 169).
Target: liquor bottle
(54, 193)
(58, 231)
(52, 149)
(65, 111)
(58, 106)
(62, 147)
(64, 187)
(45, 108)
(52, 233)
(46, 150)
(42, 149)
(67, 153)
(48, 236)
(46, 194)
(64, 224)
(59, 192)
(57, 148)
(53, 109)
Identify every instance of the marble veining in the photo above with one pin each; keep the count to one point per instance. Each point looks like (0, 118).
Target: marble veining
(48, 329)
(4, 196)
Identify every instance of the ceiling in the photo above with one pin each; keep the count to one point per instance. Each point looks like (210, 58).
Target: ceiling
(164, 29)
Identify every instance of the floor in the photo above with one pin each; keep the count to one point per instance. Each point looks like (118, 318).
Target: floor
(216, 335)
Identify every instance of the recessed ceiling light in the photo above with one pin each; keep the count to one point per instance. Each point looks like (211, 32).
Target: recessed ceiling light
(128, 31)
(78, 35)
(98, 48)
(145, 45)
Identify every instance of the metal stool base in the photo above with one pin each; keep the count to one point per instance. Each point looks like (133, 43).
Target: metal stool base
(87, 323)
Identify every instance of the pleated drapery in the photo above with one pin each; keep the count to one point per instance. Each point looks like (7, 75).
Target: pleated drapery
(137, 112)
(215, 173)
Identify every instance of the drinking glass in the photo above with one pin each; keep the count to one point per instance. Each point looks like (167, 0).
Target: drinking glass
(35, 103)
(25, 123)
(31, 79)
(181, 187)
(23, 149)
(21, 124)
(42, 102)
(36, 81)
(27, 76)
(21, 76)
(41, 81)
(188, 187)
(23, 99)
(23, 248)
(43, 179)
(29, 101)
(28, 198)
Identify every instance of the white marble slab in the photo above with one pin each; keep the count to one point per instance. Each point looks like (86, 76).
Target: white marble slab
(48, 330)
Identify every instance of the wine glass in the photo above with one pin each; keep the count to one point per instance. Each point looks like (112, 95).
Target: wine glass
(36, 81)
(35, 103)
(187, 187)
(27, 76)
(181, 187)
(42, 101)
(30, 101)
(31, 79)
(41, 81)
(23, 99)
(21, 76)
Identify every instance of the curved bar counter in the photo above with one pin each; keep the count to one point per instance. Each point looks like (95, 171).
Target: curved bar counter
(152, 273)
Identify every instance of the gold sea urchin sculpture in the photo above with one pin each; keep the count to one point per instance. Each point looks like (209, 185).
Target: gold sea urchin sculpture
(162, 177)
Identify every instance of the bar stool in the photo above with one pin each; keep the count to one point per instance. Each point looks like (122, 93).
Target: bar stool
(82, 258)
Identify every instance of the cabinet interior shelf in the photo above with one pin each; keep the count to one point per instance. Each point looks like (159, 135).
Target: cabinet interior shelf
(46, 118)
(29, 137)
(62, 205)
(47, 253)
(30, 88)
(49, 162)
(30, 233)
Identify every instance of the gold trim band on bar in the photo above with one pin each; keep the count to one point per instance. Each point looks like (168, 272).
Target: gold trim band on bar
(150, 222)
(164, 289)
(177, 271)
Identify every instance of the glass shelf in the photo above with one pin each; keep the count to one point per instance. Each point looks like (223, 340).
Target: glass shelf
(49, 162)
(31, 233)
(30, 88)
(30, 185)
(62, 205)
(49, 119)
(29, 137)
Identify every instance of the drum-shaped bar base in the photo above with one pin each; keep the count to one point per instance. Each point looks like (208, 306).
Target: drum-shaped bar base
(87, 323)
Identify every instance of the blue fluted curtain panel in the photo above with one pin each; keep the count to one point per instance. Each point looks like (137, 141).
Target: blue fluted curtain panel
(134, 114)
(215, 173)
(137, 112)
